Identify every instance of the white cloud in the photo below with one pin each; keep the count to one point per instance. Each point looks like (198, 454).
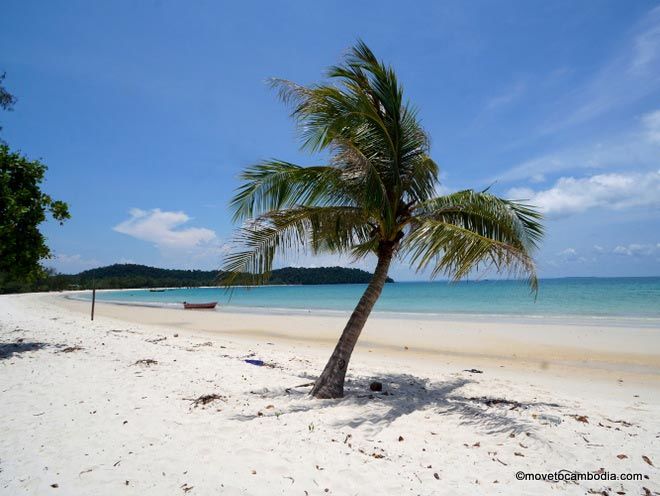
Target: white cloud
(634, 249)
(71, 263)
(163, 229)
(631, 74)
(179, 246)
(646, 43)
(639, 147)
(572, 195)
(652, 124)
(570, 255)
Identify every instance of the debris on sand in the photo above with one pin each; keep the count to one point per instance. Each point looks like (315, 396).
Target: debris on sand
(207, 343)
(307, 384)
(261, 363)
(490, 402)
(376, 386)
(621, 422)
(474, 371)
(70, 349)
(146, 361)
(205, 399)
(581, 418)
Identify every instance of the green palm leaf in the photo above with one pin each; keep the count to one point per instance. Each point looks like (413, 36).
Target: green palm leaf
(458, 232)
(299, 229)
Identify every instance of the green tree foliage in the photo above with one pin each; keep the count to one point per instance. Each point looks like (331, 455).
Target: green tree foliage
(23, 207)
(120, 276)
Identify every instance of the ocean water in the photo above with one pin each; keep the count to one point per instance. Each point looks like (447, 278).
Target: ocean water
(628, 297)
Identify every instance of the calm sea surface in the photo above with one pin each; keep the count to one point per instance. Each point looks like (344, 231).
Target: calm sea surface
(576, 297)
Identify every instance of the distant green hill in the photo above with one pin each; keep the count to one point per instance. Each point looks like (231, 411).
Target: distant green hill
(141, 276)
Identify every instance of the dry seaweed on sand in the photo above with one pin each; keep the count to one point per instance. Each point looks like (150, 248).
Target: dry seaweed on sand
(580, 418)
(70, 349)
(205, 399)
(207, 343)
(496, 402)
(146, 361)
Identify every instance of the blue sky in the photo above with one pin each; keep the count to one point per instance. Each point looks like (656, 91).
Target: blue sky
(145, 112)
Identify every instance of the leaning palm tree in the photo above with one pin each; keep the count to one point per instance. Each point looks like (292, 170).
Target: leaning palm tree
(376, 196)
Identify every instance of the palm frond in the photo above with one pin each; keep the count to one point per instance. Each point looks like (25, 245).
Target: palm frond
(298, 229)
(273, 185)
(506, 220)
(457, 232)
(456, 251)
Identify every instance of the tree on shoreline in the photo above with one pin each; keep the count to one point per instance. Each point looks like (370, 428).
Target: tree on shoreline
(23, 207)
(377, 196)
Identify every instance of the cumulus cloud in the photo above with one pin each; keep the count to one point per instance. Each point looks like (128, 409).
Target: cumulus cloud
(163, 229)
(571, 195)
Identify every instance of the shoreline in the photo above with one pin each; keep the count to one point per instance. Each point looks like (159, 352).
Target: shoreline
(564, 319)
(593, 346)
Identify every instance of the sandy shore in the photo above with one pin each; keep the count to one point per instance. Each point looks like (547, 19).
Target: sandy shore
(82, 415)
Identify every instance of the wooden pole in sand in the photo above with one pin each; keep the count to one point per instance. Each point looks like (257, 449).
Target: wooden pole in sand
(93, 296)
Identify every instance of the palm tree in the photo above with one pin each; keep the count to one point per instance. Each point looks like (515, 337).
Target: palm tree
(377, 196)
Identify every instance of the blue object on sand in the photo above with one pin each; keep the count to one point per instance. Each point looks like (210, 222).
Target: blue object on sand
(258, 363)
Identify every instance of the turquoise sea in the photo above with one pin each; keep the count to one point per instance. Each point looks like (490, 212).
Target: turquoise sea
(577, 297)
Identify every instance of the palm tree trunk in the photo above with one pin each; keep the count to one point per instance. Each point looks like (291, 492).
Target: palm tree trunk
(331, 382)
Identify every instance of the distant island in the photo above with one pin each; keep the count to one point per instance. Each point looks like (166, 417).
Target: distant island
(120, 276)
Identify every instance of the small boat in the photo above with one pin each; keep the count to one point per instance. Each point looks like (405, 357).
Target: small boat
(192, 306)
(156, 290)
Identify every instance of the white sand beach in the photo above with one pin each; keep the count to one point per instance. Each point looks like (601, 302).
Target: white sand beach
(465, 406)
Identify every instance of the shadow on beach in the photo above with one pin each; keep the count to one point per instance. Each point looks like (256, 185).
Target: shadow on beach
(405, 394)
(8, 350)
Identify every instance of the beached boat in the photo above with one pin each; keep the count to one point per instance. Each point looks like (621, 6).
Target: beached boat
(192, 306)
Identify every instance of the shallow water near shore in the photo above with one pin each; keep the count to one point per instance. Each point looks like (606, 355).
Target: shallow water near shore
(637, 298)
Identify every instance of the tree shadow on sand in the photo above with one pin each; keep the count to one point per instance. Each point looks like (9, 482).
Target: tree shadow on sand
(405, 394)
(9, 350)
